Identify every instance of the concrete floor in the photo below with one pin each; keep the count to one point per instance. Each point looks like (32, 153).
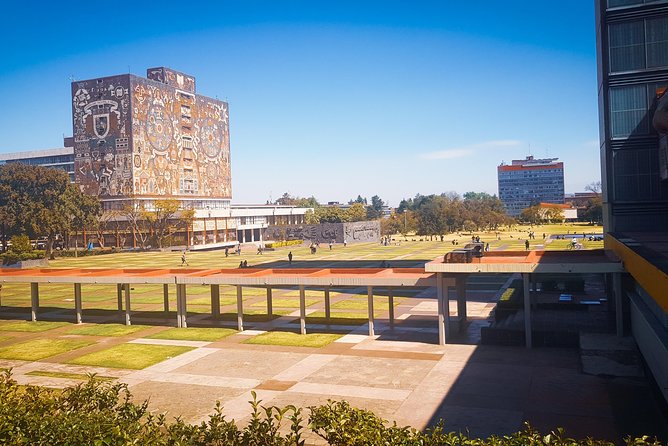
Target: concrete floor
(401, 374)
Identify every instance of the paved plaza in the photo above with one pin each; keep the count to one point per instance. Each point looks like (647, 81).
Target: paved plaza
(401, 373)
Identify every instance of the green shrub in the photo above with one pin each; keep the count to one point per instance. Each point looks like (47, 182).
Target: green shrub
(100, 413)
(10, 258)
(85, 253)
(20, 244)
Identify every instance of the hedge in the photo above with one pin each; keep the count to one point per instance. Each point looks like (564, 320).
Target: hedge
(102, 413)
(283, 243)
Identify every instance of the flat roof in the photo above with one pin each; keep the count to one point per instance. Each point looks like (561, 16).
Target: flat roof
(37, 153)
(537, 261)
(253, 276)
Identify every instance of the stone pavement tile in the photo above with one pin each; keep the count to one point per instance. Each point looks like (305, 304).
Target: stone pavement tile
(418, 408)
(247, 363)
(373, 372)
(352, 338)
(400, 346)
(347, 391)
(576, 426)
(493, 382)
(568, 392)
(191, 402)
(272, 384)
(305, 367)
(459, 352)
(182, 359)
(477, 421)
(251, 332)
(184, 378)
(537, 357)
(170, 342)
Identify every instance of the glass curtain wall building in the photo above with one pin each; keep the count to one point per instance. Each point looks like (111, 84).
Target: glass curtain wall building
(632, 49)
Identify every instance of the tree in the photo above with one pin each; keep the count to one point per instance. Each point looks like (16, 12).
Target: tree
(431, 217)
(359, 199)
(392, 225)
(84, 211)
(375, 211)
(161, 219)
(34, 201)
(356, 212)
(311, 218)
(134, 212)
(531, 214)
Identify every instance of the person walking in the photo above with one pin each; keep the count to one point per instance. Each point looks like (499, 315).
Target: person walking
(345, 243)
(330, 245)
(227, 252)
(526, 244)
(290, 257)
(184, 260)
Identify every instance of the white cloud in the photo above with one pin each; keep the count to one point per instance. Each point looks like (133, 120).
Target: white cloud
(460, 152)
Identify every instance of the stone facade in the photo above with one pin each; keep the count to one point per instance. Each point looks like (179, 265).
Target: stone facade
(150, 138)
(356, 232)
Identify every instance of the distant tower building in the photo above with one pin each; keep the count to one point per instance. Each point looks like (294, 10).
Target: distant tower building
(530, 181)
(151, 138)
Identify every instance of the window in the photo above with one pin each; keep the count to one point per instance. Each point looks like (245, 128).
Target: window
(628, 110)
(627, 46)
(639, 44)
(657, 42)
(620, 3)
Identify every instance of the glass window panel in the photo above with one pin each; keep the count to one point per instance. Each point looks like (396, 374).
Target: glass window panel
(617, 3)
(628, 110)
(627, 46)
(657, 42)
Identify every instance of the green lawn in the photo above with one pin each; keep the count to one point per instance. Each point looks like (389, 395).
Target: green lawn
(37, 349)
(80, 376)
(107, 330)
(362, 304)
(290, 339)
(194, 334)
(338, 319)
(286, 302)
(32, 327)
(130, 356)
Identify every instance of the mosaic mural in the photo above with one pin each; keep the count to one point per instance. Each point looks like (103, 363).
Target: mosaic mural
(355, 232)
(143, 137)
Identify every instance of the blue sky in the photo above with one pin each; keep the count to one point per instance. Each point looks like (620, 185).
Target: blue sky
(333, 98)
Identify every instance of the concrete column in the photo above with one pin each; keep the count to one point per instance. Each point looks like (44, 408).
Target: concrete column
(165, 297)
(302, 310)
(461, 298)
(527, 309)
(328, 305)
(184, 306)
(127, 304)
(34, 300)
(77, 302)
(119, 296)
(619, 315)
(252, 235)
(270, 306)
(369, 292)
(390, 301)
(441, 309)
(179, 307)
(240, 309)
(215, 301)
(446, 312)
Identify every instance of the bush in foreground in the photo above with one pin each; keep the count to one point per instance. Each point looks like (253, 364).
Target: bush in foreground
(101, 413)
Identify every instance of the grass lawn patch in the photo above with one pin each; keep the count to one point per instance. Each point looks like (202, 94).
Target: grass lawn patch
(250, 316)
(81, 376)
(290, 339)
(106, 330)
(130, 356)
(286, 302)
(361, 304)
(194, 334)
(338, 319)
(32, 327)
(41, 348)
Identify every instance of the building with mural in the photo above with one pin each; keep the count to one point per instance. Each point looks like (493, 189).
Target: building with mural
(151, 138)
(136, 140)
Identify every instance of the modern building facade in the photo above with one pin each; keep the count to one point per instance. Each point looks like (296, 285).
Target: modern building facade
(530, 181)
(60, 158)
(632, 48)
(151, 138)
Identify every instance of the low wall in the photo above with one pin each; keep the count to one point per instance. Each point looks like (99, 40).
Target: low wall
(355, 232)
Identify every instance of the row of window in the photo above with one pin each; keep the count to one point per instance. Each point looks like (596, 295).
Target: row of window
(629, 109)
(620, 3)
(639, 44)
